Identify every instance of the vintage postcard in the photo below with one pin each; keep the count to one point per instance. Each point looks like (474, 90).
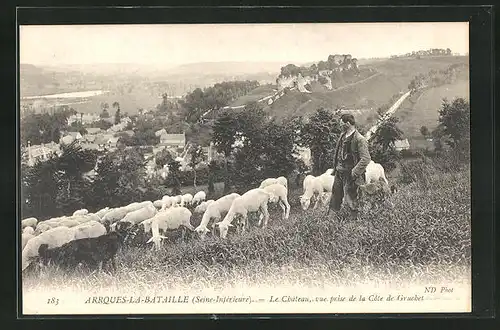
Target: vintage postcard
(245, 168)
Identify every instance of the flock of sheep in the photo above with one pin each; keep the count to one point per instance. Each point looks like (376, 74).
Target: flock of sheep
(94, 238)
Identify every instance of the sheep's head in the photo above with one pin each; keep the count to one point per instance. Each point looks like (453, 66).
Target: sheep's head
(122, 226)
(282, 180)
(202, 231)
(305, 202)
(28, 230)
(146, 226)
(223, 228)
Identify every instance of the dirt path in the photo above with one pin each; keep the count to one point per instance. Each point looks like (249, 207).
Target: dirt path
(388, 113)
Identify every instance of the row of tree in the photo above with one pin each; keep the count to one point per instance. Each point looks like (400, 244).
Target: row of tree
(429, 52)
(435, 78)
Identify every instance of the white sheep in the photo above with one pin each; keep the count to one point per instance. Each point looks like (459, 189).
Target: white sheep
(158, 203)
(89, 229)
(203, 206)
(58, 236)
(68, 223)
(170, 219)
(320, 187)
(25, 237)
(376, 187)
(146, 225)
(267, 182)
(167, 202)
(54, 237)
(102, 212)
(199, 197)
(81, 212)
(251, 201)
(28, 230)
(176, 200)
(279, 195)
(114, 215)
(29, 222)
(186, 199)
(88, 217)
(329, 171)
(214, 211)
(41, 227)
(140, 215)
(131, 206)
(374, 172)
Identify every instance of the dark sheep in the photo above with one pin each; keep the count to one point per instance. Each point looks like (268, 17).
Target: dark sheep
(95, 251)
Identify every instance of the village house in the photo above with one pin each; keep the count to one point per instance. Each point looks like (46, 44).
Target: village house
(70, 137)
(401, 145)
(41, 152)
(93, 130)
(173, 140)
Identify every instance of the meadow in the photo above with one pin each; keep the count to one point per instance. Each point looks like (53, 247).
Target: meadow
(423, 111)
(423, 237)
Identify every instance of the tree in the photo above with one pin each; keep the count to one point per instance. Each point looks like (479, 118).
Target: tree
(173, 177)
(382, 148)
(196, 154)
(120, 178)
(424, 131)
(212, 174)
(57, 186)
(454, 121)
(104, 114)
(44, 127)
(163, 158)
(118, 117)
(223, 137)
(320, 134)
(74, 189)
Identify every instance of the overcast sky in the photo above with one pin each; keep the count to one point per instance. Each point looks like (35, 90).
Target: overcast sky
(178, 44)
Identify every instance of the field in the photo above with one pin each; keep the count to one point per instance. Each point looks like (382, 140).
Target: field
(424, 237)
(425, 111)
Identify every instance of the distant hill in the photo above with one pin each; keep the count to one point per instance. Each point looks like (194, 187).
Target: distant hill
(393, 78)
(136, 86)
(225, 68)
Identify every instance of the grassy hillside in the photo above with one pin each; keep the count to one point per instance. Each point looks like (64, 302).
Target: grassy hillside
(394, 77)
(255, 95)
(424, 236)
(424, 112)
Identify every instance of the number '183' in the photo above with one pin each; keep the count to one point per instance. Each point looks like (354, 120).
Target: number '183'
(53, 301)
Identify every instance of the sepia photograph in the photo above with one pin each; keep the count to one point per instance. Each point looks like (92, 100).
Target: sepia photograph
(244, 168)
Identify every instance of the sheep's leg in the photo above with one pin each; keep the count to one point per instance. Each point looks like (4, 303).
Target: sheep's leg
(287, 205)
(216, 219)
(183, 232)
(266, 215)
(317, 201)
(244, 222)
(283, 207)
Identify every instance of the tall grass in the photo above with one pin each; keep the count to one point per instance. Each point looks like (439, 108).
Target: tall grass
(420, 235)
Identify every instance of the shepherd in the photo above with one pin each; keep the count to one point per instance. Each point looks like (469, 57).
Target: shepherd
(351, 158)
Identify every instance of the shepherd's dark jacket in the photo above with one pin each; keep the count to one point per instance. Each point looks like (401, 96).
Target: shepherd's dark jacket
(361, 155)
